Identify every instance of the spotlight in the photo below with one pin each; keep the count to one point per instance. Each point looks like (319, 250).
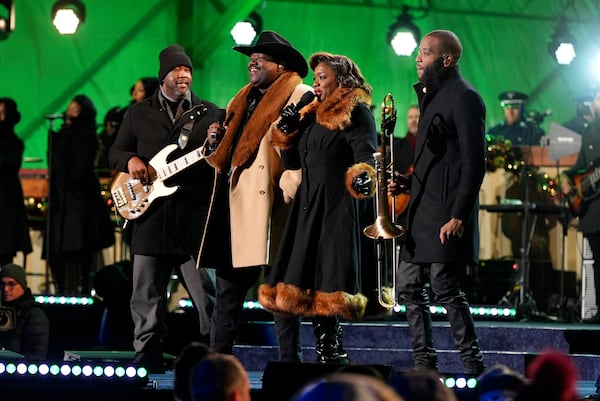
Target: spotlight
(67, 15)
(244, 32)
(7, 18)
(562, 45)
(404, 35)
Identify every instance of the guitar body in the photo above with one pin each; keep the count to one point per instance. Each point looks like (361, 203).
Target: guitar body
(131, 197)
(402, 200)
(585, 188)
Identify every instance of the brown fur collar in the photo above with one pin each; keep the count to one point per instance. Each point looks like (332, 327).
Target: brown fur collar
(267, 111)
(335, 111)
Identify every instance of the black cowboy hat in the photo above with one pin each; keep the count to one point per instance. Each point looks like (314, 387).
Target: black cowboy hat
(276, 46)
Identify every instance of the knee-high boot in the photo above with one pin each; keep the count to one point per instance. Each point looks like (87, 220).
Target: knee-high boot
(419, 322)
(328, 336)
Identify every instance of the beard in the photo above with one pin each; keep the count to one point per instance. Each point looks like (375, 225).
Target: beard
(433, 69)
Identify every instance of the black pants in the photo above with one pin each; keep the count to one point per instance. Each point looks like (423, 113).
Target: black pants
(232, 285)
(444, 279)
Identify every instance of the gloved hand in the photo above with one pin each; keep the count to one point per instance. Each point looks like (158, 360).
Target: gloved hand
(289, 119)
(362, 184)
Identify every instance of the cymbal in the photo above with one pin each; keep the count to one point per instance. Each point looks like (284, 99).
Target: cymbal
(32, 159)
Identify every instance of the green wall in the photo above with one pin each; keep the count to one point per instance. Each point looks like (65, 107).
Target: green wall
(120, 40)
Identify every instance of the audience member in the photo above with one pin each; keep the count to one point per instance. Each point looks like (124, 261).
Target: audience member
(422, 385)
(14, 235)
(166, 238)
(552, 377)
(253, 166)
(30, 331)
(219, 377)
(317, 269)
(500, 383)
(78, 222)
(347, 387)
(183, 366)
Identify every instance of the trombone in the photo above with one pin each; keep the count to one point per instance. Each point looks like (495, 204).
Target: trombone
(384, 227)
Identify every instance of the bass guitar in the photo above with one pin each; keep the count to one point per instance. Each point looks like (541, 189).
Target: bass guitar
(585, 188)
(132, 198)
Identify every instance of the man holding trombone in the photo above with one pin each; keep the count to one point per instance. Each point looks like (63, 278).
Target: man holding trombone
(442, 228)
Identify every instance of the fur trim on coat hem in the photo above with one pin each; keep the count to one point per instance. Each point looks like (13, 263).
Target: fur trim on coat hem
(286, 299)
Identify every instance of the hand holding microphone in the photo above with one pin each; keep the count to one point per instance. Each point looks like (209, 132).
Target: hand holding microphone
(290, 115)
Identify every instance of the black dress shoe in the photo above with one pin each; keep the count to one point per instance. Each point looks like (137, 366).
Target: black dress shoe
(153, 362)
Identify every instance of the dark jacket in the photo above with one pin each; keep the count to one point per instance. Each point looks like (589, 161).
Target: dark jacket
(587, 160)
(79, 219)
(173, 225)
(32, 328)
(14, 235)
(449, 166)
(320, 253)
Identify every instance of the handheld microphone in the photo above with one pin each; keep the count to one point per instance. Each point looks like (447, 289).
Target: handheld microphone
(305, 100)
(54, 116)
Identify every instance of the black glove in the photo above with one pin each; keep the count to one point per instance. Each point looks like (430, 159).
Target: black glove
(389, 124)
(289, 119)
(362, 184)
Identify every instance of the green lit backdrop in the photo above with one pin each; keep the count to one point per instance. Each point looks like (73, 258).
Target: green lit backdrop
(505, 47)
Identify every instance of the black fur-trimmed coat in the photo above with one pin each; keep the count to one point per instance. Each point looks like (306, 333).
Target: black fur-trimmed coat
(317, 269)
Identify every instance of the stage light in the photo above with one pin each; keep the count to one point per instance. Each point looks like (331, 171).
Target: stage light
(404, 35)
(244, 32)
(561, 45)
(67, 15)
(7, 18)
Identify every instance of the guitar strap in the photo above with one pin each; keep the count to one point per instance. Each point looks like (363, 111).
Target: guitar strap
(186, 130)
(184, 134)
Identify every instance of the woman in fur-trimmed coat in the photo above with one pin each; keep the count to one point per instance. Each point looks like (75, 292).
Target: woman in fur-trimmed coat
(316, 273)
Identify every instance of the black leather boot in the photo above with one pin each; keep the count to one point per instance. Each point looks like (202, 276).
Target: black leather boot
(328, 335)
(419, 322)
(463, 328)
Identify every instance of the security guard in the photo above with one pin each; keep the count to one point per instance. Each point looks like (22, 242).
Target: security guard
(515, 127)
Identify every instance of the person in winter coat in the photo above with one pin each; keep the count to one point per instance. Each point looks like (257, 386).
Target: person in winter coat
(14, 236)
(442, 229)
(167, 236)
(253, 167)
(317, 270)
(78, 222)
(31, 329)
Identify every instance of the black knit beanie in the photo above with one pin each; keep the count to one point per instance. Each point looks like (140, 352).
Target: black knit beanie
(171, 57)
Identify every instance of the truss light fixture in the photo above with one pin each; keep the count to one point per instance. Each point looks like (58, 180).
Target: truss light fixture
(67, 15)
(7, 18)
(562, 45)
(404, 35)
(244, 32)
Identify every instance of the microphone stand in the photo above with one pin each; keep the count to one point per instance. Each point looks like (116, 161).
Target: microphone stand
(48, 225)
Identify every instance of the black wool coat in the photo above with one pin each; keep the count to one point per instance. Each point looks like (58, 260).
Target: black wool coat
(14, 235)
(449, 166)
(173, 225)
(31, 333)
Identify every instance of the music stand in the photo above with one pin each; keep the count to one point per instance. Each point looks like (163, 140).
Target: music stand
(561, 142)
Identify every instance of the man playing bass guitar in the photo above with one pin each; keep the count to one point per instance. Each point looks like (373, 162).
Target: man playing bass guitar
(588, 210)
